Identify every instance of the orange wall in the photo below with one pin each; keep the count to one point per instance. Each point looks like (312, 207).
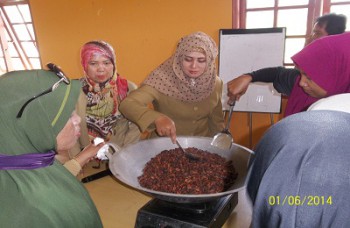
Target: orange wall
(143, 33)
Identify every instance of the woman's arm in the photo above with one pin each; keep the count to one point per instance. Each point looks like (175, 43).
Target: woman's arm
(283, 80)
(216, 120)
(136, 107)
(76, 164)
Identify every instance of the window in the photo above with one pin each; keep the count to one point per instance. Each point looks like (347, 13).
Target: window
(19, 49)
(296, 15)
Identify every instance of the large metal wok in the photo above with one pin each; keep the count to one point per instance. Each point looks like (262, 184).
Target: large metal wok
(127, 164)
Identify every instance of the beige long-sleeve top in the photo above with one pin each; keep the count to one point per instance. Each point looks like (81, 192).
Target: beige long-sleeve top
(204, 118)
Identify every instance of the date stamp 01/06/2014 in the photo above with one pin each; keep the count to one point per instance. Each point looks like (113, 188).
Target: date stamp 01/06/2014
(295, 200)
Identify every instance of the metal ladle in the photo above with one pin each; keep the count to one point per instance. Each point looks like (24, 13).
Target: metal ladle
(224, 140)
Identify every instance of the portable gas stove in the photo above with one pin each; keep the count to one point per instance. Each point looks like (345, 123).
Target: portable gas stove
(163, 214)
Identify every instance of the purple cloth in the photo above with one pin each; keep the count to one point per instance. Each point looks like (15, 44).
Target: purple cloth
(27, 161)
(327, 62)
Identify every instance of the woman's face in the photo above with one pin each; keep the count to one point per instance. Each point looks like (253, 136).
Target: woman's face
(194, 64)
(69, 135)
(310, 87)
(318, 31)
(99, 68)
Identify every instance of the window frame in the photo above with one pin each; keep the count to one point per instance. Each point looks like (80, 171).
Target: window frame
(9, 27)
(315, 9)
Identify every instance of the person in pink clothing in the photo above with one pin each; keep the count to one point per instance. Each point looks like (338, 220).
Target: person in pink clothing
(324, 67)
(322, 70)
(286, 80)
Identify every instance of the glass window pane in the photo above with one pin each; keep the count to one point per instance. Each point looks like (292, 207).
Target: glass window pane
(294, 20)
(13, 13)
(12, 50)
(17, 64)
(22, 32)
(31, 30)
(343, 9)
(290, 67)
(260, 3)
(30, 49)
(333, 1)
(24, 9)
(293, 46)
(35, 63)
(259, 19)
(2, 66)
(292, 3)
(7, 36)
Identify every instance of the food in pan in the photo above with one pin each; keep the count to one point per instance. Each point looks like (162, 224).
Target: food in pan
(171, 171)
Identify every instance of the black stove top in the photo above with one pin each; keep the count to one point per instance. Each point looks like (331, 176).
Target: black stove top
(163, 214)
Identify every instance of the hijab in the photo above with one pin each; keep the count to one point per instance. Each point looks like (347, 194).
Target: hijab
(327, 62)
(169, 78)
(42, 119)
(49, 196)
(305, 155)
(102, 98)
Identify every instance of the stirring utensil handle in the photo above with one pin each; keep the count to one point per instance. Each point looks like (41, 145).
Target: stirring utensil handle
(232, 105)
(187, 154)
(178, 144)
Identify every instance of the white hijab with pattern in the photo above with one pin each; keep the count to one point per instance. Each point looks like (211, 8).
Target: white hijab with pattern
(169, 78)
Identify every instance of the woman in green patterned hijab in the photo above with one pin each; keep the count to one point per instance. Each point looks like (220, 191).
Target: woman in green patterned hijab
(37, 191)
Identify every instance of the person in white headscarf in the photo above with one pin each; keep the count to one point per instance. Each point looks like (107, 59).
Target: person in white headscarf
(185, 92)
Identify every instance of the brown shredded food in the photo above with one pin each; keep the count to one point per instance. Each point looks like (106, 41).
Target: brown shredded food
(171, 171)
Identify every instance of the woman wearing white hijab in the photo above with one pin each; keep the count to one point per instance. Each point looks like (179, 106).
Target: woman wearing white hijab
(184, 90)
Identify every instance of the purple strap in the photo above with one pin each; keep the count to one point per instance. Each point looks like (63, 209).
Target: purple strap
(27, 161)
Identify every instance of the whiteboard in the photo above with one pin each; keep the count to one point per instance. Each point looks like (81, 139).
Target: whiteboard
(245, 50)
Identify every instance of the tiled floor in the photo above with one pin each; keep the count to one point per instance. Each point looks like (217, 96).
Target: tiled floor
(118, 204)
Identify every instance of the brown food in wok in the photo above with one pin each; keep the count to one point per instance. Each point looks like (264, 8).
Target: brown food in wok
(171, 171)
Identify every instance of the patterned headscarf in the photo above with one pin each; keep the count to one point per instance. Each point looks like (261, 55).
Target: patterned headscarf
(170, 79)
(327, 62)
(102, 98)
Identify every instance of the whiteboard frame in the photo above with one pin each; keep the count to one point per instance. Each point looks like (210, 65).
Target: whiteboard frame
(270, 43)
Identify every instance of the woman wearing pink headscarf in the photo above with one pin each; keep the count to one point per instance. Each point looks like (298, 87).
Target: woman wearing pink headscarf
(103, 90)
(322, 70)
(325, 71)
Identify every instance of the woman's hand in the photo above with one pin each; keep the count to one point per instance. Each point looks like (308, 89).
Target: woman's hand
(166, 127)
(237, 87)
(88, 154)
